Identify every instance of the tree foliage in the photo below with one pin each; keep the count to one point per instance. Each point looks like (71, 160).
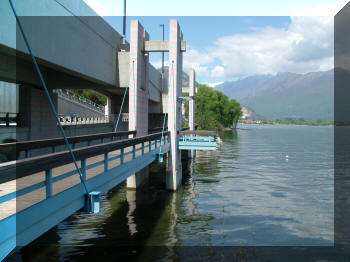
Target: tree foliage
(214, 110)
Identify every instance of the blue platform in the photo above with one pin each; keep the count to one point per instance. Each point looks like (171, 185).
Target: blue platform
(195, 142)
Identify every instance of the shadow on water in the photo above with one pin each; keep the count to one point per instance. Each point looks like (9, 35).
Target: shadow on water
(136, 224)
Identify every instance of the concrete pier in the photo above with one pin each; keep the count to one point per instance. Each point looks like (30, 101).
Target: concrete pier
(192, 106)
(192, 102)
(174, 172)
(138, 93)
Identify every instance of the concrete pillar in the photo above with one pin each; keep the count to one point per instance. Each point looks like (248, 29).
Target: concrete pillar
(192, 102)
(174, 172)
(138, 93)
(36, 113)
(192, 105)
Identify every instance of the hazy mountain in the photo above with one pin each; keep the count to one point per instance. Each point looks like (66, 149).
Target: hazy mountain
(309, 96)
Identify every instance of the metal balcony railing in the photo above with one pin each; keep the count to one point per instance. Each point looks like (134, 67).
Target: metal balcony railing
(74, 119)
(79, 99)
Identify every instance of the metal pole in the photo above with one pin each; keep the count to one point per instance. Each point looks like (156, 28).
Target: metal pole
(124, 23)
(162, 25)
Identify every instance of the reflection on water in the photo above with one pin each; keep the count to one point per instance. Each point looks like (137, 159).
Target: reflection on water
(131, 198)
(245, 194)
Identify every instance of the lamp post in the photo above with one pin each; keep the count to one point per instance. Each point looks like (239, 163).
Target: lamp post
(124, 23)
(162, 25)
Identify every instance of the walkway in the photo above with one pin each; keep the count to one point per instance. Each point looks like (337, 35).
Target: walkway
(37, 193)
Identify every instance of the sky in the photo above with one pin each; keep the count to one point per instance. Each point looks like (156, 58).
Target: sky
(229, 40)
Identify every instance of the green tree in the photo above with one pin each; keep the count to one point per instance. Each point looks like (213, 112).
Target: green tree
(91, 95)
(214, 110)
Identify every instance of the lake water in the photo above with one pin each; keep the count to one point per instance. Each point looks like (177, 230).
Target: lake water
(248, 193)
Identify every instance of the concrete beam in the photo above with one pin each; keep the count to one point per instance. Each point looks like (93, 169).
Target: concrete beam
(63, 38)
(123, 68)
(162, 46)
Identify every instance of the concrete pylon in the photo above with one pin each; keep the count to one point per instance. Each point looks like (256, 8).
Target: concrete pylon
(192, 102)
(138, 93)
(174, 172)
(192, 105)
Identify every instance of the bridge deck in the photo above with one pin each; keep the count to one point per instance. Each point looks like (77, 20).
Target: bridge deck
(9, 208)
(47, 188)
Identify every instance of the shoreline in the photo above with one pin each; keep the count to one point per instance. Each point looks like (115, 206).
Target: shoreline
(287, 124)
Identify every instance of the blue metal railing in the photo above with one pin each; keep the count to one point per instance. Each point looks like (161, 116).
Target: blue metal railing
(49, 180)
(24, 149)
(195, 142)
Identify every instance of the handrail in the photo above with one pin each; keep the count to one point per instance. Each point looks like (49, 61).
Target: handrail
(198, 132)
(25, 167)
(36, 144)
(66, 119)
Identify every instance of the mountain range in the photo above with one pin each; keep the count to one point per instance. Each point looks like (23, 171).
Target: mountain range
(309, 96)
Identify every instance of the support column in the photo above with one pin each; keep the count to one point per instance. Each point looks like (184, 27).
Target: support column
(192, 106)
(138, 93)
(36, 112)
(174, 172)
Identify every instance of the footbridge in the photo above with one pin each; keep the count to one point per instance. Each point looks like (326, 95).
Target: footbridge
(39, 192)
(48, 172)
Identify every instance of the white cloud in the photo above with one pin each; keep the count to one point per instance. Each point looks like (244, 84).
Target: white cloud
(196, 60)
(214, 84)
(305, 46)
(218, 71)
